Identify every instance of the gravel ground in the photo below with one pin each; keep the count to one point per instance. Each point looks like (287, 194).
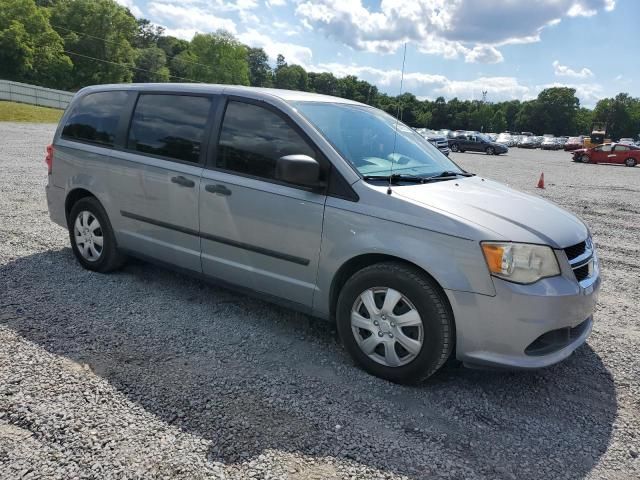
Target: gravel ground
(149, 374)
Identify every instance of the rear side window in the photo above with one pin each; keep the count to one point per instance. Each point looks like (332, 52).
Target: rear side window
(253, 138)
(95, 118)
(622, 148)
(169, 126)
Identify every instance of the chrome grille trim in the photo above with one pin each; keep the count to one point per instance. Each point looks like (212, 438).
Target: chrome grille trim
(586, 259)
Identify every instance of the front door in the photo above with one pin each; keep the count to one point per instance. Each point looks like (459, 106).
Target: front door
(257, 232)
(156, 180)
(602, 154)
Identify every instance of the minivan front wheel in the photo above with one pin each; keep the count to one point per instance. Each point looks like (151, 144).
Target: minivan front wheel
(394, 321)
(92, 239)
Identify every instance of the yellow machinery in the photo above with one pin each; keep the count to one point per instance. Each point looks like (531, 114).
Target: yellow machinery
(598, 134)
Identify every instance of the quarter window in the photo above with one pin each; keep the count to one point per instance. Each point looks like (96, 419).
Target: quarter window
(95, 118)
(169, 126)
(253, 138)
(622, 148)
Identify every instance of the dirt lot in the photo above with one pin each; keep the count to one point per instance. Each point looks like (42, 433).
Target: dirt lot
(149, 374)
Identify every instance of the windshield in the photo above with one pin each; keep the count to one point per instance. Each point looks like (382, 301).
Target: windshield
(484, 137)
(365, 136)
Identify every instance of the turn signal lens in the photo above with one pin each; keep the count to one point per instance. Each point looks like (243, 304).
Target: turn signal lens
(520, 262)
(48, 159)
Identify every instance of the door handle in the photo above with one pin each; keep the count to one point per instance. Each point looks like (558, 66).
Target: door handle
(218, 189)
(182, 181)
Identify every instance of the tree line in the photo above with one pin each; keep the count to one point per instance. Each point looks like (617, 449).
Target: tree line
(69, 44)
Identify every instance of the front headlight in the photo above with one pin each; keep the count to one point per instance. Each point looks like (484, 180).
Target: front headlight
(520, 262)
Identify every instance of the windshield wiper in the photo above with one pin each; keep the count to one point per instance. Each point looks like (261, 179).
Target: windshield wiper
(400, 177)
(450, 174)
(396, 177)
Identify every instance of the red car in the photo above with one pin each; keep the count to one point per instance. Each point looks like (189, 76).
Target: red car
(573, 143)
(628, 155)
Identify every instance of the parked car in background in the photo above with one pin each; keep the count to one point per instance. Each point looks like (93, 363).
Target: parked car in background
(505, 139)
(287, 195)
(627, 141)
(619, 153)
(526, 142)
(476, 142)
(550, 143)
(436, 139)
(573, 143)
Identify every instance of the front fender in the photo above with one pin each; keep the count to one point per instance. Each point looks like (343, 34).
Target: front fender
(456, 263)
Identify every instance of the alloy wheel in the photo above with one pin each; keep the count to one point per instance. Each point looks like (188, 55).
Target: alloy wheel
(87, 234)
(387, 327)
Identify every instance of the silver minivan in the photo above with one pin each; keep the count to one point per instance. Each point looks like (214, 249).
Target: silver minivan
(330, 207)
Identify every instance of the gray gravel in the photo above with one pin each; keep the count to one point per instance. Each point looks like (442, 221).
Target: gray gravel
(149, 374)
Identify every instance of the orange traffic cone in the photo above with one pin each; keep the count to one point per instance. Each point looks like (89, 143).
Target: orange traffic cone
(541, 181)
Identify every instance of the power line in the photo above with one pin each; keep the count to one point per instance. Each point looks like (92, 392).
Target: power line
(169, 57)
(127, 66)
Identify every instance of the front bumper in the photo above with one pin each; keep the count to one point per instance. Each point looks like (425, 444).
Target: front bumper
(506, 330)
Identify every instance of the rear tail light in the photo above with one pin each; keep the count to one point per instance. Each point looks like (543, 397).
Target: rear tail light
(48, 159)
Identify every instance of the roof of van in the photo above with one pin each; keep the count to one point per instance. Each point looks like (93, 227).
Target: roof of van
(286, 95)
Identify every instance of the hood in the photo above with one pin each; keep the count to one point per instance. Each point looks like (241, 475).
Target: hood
(509, 214)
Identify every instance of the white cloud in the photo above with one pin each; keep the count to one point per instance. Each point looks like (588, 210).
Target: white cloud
(451, 28)
(588, 93)
(191, 19)
(133, 8)
(565, 71)
(427, 85)
(292, 53)
(275, 3)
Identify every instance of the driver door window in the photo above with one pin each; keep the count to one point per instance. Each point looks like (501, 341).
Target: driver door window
(253, 138)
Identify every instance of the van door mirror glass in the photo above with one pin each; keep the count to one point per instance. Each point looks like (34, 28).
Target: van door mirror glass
(298, 170)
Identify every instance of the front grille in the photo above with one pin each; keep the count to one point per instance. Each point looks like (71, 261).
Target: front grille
(582, 272)
(575, 250)
(581, 259)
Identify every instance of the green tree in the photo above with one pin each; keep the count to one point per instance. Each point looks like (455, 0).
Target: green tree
(439, 113)
(30, 50)
(98, 35)
(148, 34)
(584, 120)
(291, 77)
(621, 115)
(359, 90)
(215, 58)
(260, 74)
(325, 83)
(499, 122)
(557, 109)
(151, 65)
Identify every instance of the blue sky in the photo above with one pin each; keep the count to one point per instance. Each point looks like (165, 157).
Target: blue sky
(510, 48)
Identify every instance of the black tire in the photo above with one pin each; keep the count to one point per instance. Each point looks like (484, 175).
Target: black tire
(455, 148)
(429, 301)
(585, 159)
(110, 258)
(630, 162)
(490, 151)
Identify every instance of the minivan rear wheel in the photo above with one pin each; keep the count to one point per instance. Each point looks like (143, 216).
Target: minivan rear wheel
(92, 239)
(395, 322)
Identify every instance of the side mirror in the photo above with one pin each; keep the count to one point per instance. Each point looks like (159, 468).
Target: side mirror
(298, 169)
